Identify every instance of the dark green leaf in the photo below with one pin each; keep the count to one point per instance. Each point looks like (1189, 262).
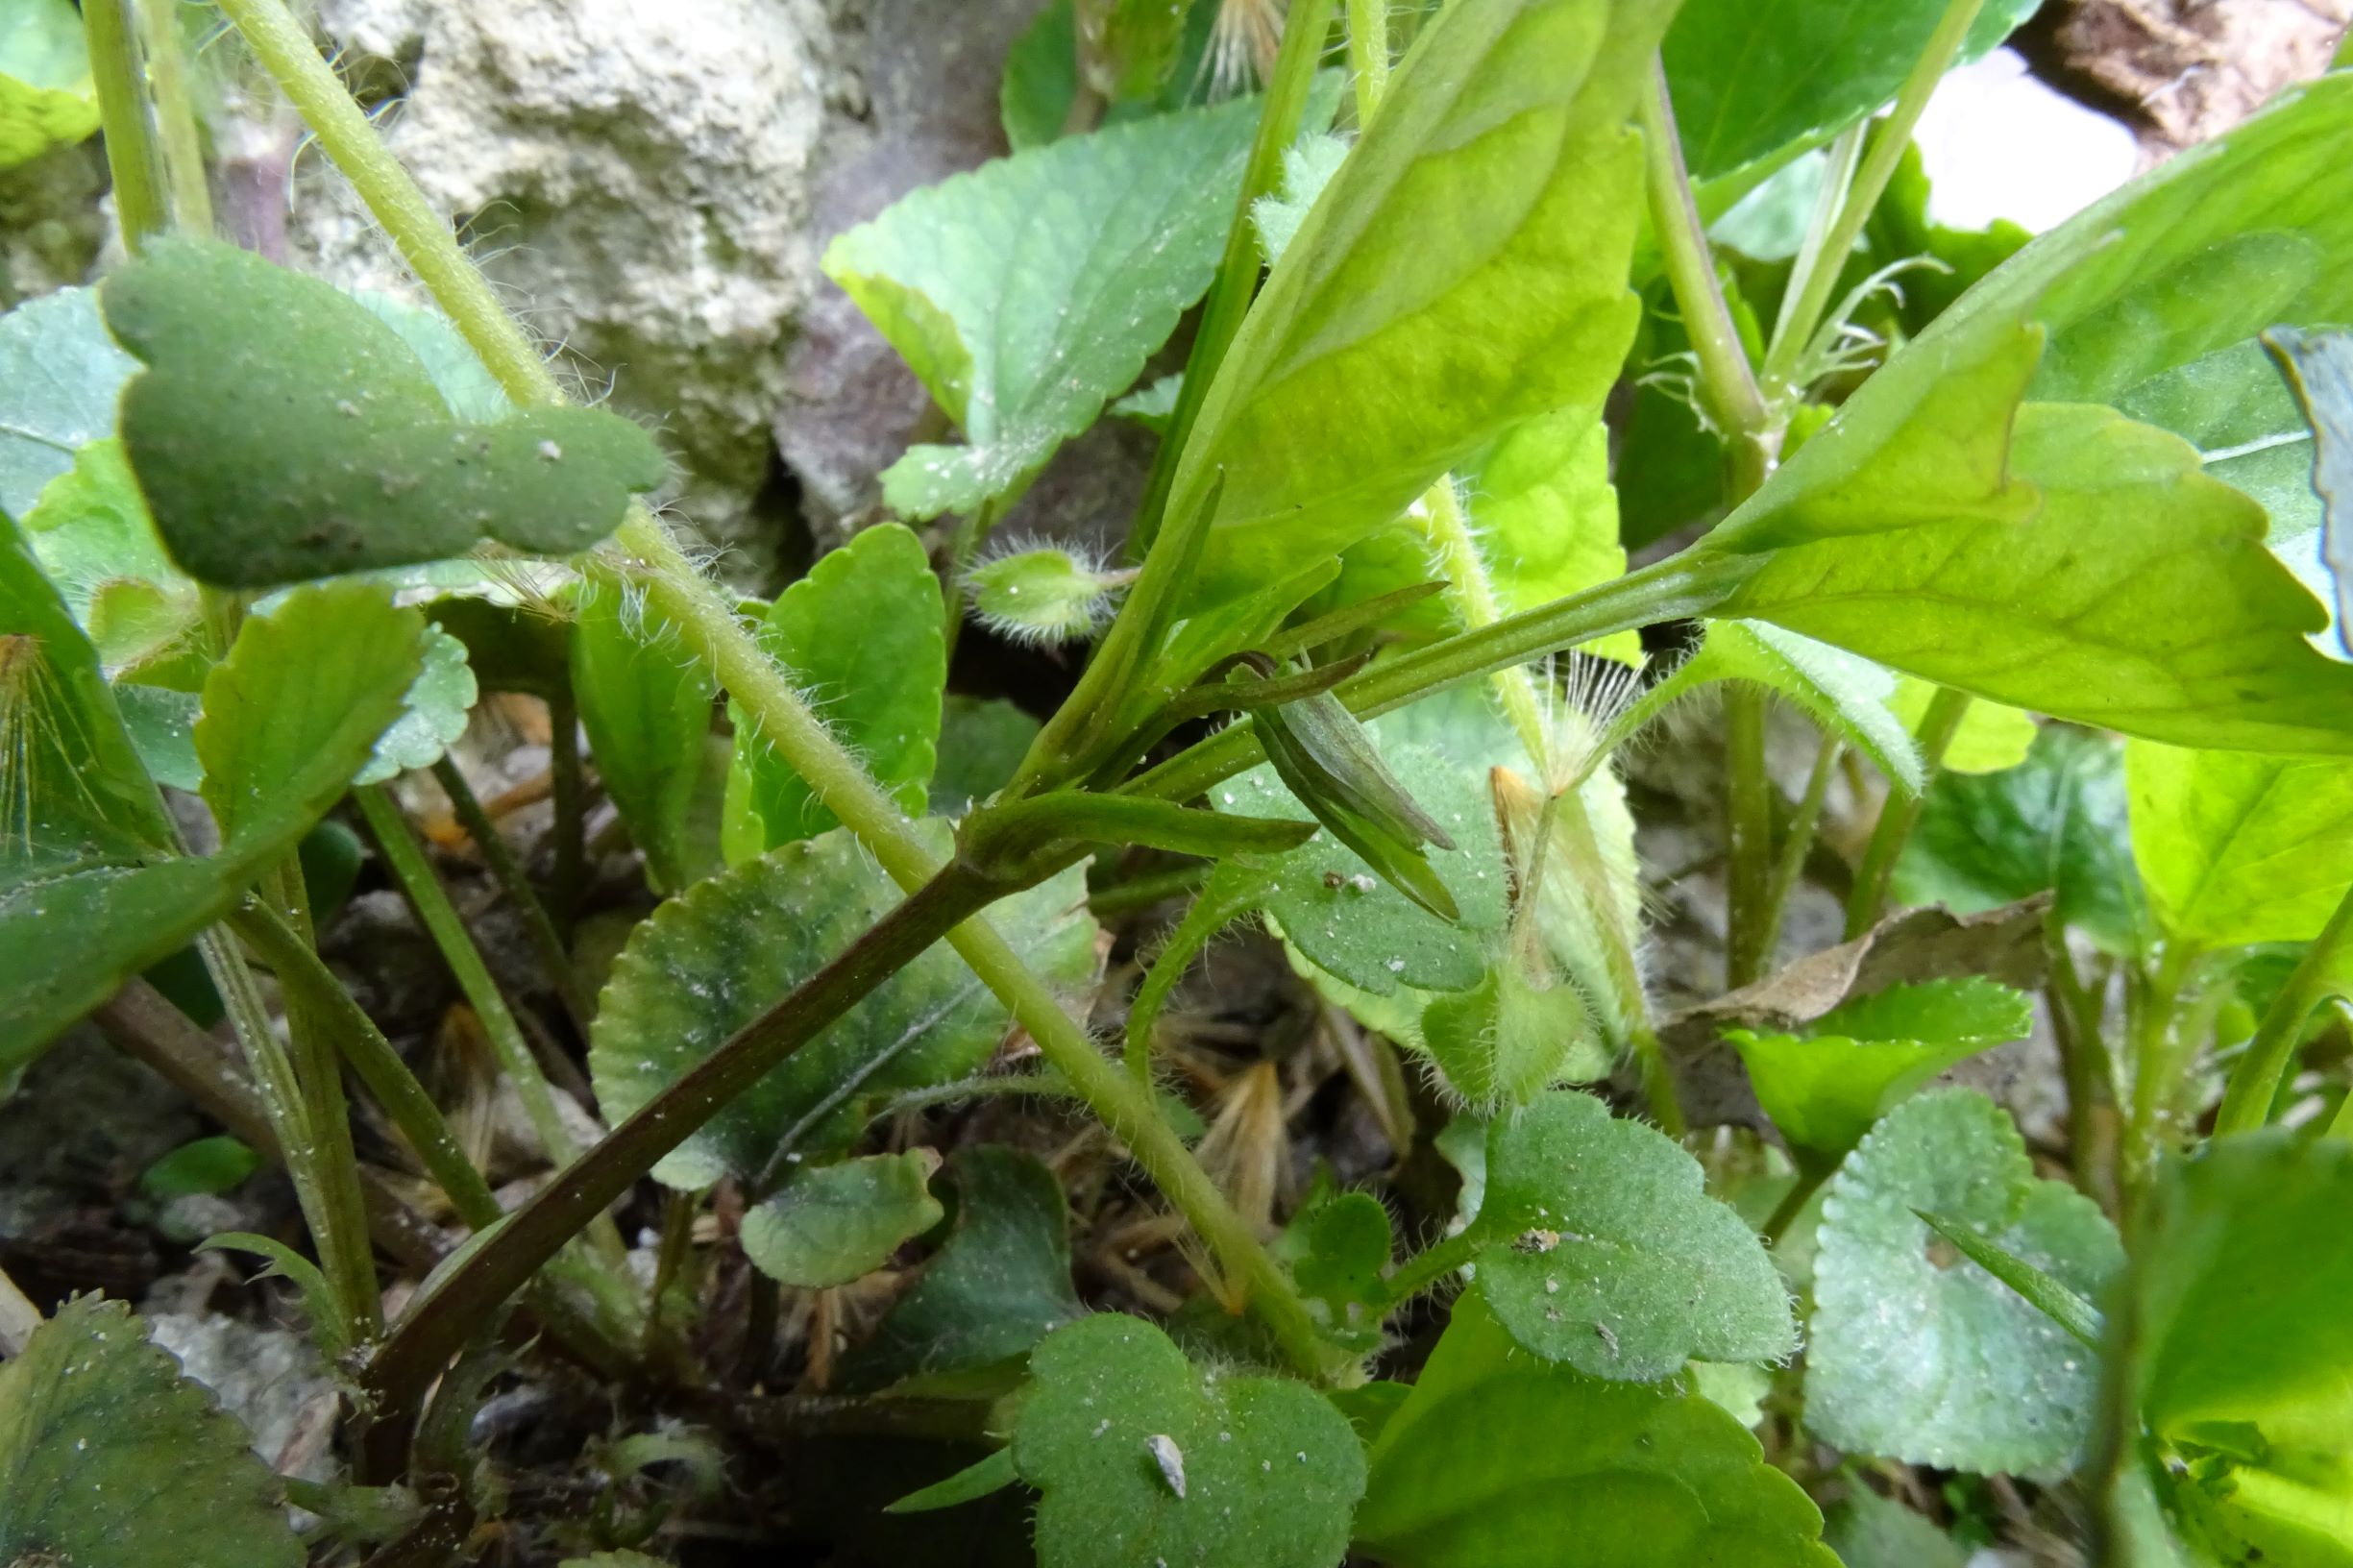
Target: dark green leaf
(1599, 1246)
(1040, 78)
(1335, 910)
(1915, 1353)
(361, 464)
(711, 959)
(1464, 270)
(975, 1481)
(162, 724)
(832, 1224)
(2236, 849)
(980, 746)
(1869, 1530)
(58, 376)
(1030, 291)
(46, 99)
(864, 636)
(2242, 1373)
(1142, 1458)
(110, 1459)
(646, 707)
(1001, 1282)
(1751, 77)
(2054, 823)
(1127, 49)
(1499, 1460)
(1329, 764)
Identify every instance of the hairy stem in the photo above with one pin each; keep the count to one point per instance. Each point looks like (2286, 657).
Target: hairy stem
(1428, 1267)
(1229, 895)
(1368, 55)
(2320, 974)
(710, 629)
(1748, 834)
(537, 924)
(1470, 593)
(1867, 900)
(1803, 311)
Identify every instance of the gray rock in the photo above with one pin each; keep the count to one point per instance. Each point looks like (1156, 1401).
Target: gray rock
(270, 1378)
(634, 176)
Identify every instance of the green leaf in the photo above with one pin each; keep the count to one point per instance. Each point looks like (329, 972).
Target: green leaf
(1599, 1246)
(837, 1223)
(1750, 79)
(1498, 1460)
(2047, 1295)
(309, 1283)
(203, 1166)
(59, 372)
(1547, 517)
(46, 98)
(1142, 1458)
(983, 1477)
(647, 708)
(93, 536)
(1128, 49)
(1867, 1530)
(711, 959)
(1040, 78)
(1153, 405)
(1044, 596)
(1327, 760)
(162, 724)
(1348, 921)
(2243, 1372)
(300, 704)
(998, 1286)
(864, 636)
(1464, 270)
(2319, 367)
(2054, 823)
(1916, 1353)
(1824, 1087)
(2236, 849)
(981, 744)
(2137, 597)
(1308, 166)
(1337, 1247)
(433, 711)
(1989, 739)
(1028, 293)
(1504, 1041)
(110, 1459)
(361, 464)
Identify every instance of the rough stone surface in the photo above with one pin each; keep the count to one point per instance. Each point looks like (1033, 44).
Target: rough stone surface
(634, 175)
(270, 1378)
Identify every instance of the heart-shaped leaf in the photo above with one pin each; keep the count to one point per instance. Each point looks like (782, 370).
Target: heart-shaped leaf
(864, 636)
(1599, 1246)
(1144, 1459)
(360, 464)
(1499, 1460)
(1026, 293)
(711, 959)
(2243, 1369)
(1918, 1354)
(2056, 824)
(1826, 1084)
(837, 1223)
(1001, 1282)
(110, 1459)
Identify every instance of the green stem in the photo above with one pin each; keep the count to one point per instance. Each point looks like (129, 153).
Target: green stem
(1794, 1201)
(1797, 844)
(1470, 593)
(1725, 376)
(1229, 895)
(325, 1186)
(1426, 1267)
(180, 145)
(569, 796)
(1837, 178)
(132, 155)
(1867, 900)
(2158, 1044)
(1748, 834)
(1803, 313)
(302, 972)
(1142, 893)
(537, 923)
(2320, 974)
(1304, 30)
(1368, 55)
(971, 532)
